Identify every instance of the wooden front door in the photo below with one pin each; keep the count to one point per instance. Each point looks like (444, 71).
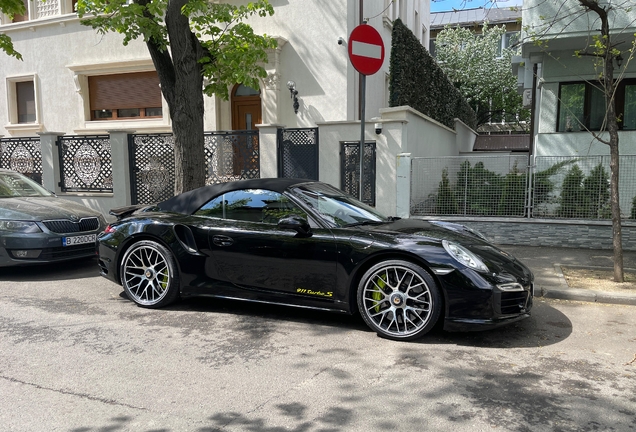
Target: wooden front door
(246, 114)
(246, 108)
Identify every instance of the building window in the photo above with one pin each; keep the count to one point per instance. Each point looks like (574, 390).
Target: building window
(629, 122)
(125, 96)
(22, 99)
(582, 106)
(25, 17)
(25, 97)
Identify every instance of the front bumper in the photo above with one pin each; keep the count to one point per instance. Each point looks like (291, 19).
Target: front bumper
(42, 248)
(475, 302)
(465, 325)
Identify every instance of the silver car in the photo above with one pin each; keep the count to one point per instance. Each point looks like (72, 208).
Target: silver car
(38, 227)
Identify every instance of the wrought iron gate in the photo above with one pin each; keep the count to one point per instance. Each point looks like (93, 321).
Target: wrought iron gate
(232, 156)
(151, 160)
(350, 170)
(298, 153)
(86, 163)
(23, 155)
(228, 155)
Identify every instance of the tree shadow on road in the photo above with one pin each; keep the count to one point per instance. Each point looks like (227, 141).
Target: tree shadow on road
(546, 326)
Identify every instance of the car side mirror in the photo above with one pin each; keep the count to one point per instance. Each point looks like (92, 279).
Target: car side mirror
(296, 223)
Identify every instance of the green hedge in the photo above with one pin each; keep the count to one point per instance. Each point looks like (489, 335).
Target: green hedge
(418, 82)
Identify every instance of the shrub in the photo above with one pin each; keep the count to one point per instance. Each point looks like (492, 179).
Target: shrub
(596, 190)
(446, 202)
(572, 195)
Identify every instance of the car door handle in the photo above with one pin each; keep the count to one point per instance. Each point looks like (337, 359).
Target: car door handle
(220, 240)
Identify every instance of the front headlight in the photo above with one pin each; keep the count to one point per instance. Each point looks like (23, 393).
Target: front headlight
(464, 256)
(19, 227)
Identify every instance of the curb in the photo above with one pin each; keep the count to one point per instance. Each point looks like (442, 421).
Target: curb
(564, 292)
(588, 296)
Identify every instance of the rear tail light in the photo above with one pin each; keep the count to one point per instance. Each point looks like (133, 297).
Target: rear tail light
(109, 229)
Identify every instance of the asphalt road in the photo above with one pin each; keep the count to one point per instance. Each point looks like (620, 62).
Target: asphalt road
(75, 355)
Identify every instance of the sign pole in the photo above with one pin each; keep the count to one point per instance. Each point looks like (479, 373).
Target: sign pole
(363, 85)
(366, 52)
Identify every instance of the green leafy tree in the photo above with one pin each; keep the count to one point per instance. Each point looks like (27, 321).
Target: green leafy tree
(602, 47)
(482, 72)
(10, 8)
(195, 45)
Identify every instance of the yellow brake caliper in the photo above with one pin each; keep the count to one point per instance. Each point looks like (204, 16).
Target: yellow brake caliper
(378, 296)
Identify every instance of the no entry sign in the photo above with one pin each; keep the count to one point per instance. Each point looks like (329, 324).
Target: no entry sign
(366, 49)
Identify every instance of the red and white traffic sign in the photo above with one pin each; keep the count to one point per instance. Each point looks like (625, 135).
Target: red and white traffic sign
(366, 49)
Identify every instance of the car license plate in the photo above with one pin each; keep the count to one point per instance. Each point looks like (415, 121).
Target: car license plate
(76, 240)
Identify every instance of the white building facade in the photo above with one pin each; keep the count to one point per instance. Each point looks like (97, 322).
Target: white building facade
(567, 106)
(50, 89)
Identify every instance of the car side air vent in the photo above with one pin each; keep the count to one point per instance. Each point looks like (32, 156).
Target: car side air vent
(186, 238)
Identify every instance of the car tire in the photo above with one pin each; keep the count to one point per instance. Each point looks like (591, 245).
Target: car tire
(149, 274)
(399, 300)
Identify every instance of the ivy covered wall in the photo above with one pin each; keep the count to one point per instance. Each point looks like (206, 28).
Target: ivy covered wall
(417, 81)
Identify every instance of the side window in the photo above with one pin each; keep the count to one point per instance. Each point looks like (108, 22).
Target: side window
(251, 205)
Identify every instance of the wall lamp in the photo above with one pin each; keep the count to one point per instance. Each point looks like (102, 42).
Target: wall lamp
(619, 60)
(291, 85)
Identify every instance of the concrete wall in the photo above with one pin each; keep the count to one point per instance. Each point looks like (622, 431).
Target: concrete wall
(404, 131)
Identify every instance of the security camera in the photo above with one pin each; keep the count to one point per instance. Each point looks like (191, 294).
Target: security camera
(341, 41)
(378, 128)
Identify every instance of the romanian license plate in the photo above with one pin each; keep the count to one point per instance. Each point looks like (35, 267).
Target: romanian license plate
(76, 240)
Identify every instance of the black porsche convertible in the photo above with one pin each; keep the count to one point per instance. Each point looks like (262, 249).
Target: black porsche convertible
(307, 244)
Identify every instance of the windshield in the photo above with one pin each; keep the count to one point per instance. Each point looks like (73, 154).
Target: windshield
(337, 208)
(13, 184)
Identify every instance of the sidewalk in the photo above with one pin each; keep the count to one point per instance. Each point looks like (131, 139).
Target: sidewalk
(549, 281)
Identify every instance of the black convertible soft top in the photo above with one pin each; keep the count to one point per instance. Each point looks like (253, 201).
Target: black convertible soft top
(191, 201)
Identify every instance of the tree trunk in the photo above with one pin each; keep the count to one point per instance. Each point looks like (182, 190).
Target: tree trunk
(181, 84)
(612, 128)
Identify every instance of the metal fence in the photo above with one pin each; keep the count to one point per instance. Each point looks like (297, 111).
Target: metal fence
(23, 155)
(475, 185)
(229, 156)
(298, 153)
(551, 187)
(350, 170)
(86, 163)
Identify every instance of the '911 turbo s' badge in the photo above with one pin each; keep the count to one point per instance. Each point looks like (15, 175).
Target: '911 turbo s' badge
(315, 293)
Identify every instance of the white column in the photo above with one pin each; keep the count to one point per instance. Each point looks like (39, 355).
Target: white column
(50, 160)
(268, 149)
(403, 185)
(121, 167)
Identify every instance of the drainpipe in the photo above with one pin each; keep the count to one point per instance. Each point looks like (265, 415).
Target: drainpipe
(531, 165)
